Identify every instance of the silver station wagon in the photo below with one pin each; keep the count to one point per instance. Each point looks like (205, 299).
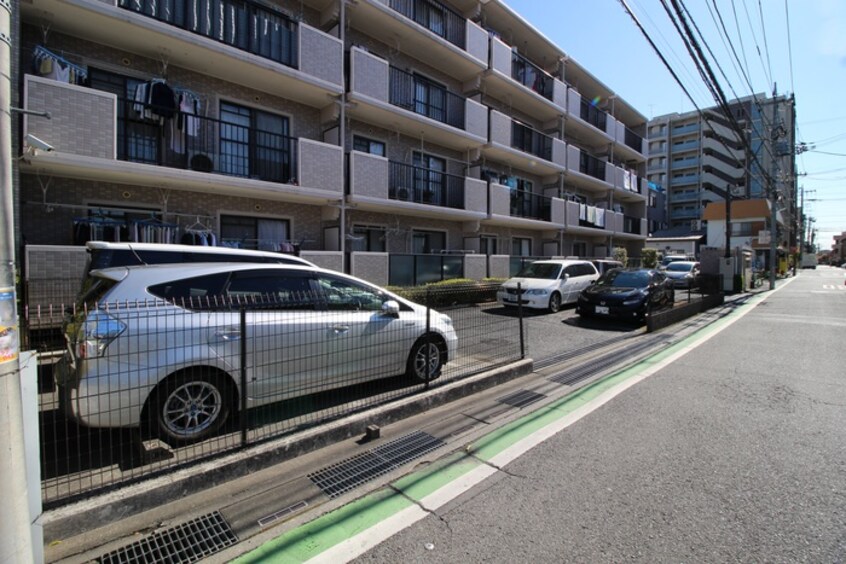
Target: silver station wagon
(162, 347)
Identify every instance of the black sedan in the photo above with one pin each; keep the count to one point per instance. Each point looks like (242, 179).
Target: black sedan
(626, 293)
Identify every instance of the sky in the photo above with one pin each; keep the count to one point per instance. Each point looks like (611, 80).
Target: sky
(800, 48)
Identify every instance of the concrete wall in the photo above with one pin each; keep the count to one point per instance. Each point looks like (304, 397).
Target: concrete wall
(321, 166)
(475, 195)
(373, 267)
(500, 200)
(475, 266)
(369, 75)
(368, 175)
(321, 55)
(477, 42)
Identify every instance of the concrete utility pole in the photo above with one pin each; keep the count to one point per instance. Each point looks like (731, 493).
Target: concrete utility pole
(15, 531)
(773, 191)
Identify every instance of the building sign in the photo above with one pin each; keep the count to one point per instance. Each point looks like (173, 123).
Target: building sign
(8, 326)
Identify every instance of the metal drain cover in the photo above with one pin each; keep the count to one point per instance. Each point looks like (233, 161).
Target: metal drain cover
(521, 398)
(343, 476)
(188, 542)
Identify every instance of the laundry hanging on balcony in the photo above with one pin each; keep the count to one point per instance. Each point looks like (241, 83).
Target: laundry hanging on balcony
(185, 128)
(155, 101)
(97, 227)
(50, 65)
(153, 230)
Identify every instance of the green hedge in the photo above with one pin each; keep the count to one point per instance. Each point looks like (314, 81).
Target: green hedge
(456, 291)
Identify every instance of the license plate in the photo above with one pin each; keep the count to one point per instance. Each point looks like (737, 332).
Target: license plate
(602, 310)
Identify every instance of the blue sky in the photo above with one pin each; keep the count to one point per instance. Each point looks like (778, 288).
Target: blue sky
(604, 39)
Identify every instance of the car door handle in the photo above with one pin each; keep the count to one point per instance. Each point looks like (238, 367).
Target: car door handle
(340, 329)
(229, 335)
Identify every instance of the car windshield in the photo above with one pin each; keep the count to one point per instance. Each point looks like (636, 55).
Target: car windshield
(680, 266)
(624, 279)
(543, 270)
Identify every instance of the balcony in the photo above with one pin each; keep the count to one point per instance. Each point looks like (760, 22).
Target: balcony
(426, 29)
(588, 122)
(684, 129)
(97, 136)
(411, 104)
(684, 163)
(255, 47)
(378, 184)
(583, 218)
(526, 86)
(523, 147)
(684, 197)
(631, 225)
(684, 214)
(691, 145)
(521, 208)
(684, 180)
(633, 140)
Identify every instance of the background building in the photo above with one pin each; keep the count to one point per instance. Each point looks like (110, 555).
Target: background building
(403, 142)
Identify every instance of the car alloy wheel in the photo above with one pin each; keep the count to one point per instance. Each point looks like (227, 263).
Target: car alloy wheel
(555, 302)
(189, 407)
(426, 360)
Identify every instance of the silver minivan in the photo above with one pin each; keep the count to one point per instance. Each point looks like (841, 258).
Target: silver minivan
(548, 284)
(161, 346)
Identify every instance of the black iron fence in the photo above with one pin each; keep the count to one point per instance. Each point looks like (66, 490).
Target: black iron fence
(148, 387)
(592, 166)
(241, 24)
(425, 186)
(532, 76)
(633, 140)
(530, 205)
(436, 17)
(204, 144)
(531, 141)
(420, 95)
(593, 115)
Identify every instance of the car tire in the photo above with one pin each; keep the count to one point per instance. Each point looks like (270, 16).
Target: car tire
(189, 407)
(555, 302)
(416, 369)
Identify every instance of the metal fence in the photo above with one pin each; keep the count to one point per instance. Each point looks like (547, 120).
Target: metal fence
(149, 387)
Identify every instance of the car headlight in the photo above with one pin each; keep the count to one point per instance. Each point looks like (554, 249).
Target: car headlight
(537, 292)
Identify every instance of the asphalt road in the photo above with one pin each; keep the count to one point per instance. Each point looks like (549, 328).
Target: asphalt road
(734, 452)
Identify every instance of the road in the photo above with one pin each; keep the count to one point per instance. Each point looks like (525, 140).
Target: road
(730, 448)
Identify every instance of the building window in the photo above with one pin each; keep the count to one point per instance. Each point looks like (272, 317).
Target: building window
(365, 145)
(521, 247)
(580, 249)
(255, 144)
(429, 98)
(424, 242)
(368, 238)
(429, 177)
(255, 233)
(487, 245)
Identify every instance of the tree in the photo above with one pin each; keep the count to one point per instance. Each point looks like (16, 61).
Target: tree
(622, 255)
(650, 257)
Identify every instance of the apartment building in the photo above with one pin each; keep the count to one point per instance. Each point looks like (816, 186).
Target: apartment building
(698, 157)
(403, 141)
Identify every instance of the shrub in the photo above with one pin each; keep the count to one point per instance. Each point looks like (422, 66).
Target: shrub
(650, 257)
(621, 254)
(455, 291)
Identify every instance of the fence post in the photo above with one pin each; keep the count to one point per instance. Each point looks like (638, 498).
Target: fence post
(520, 320)
(242, 312)
(428, 337)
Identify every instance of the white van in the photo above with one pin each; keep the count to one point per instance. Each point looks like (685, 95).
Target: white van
(547, 284)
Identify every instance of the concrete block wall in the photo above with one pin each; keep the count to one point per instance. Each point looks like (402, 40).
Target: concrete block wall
(500, 200)
(475, 267)
(369, 75)
(373, 267)
(475, 195)
(331, 260)
(500, 266)
(477, 42)
(500, 56)
(574, 103)
(500, 128)
(83, 121)
(321, 55)
(321, 166)
(559, 152)
(476, 119)
(368, 175)
(558, 213)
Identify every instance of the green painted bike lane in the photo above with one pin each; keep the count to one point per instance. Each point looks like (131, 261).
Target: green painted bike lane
(311, 539)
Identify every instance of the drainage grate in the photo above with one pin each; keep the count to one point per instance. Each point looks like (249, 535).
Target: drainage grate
(521, 398)
(586, 371)
(343, 476)
(189, 542)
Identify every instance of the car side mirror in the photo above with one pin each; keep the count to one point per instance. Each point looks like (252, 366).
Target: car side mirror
(390, 308)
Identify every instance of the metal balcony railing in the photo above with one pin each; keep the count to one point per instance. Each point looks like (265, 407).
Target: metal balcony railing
(435, 17)
(530, 205)
(531, 141)
(633, 140)
(242, 24)
(593, 115)
(421, 96)
(530, 75)
(631, 225)
(425, 186)
(592, 166)
(203, 144)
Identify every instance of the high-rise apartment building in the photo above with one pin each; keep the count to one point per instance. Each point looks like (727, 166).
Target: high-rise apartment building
(698, 157)
(403, 141)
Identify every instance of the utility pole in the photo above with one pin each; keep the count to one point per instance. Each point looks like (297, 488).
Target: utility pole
(773, 190)
(15, 529)
(728, 220)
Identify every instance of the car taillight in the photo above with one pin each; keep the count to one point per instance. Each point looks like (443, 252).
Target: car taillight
(95, 334)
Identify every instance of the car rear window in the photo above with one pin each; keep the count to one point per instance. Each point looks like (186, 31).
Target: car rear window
(94, 289)
(190, 291)
(625, 279)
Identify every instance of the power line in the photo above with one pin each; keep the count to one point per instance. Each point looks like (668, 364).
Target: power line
(789, 45)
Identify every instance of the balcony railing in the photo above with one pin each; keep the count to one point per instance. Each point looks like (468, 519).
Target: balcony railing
(206, 145)
(424, 97)
(435, 17)
(633, 140)
(684, 214)
(530, 141)
(425, 186)
(240, 23)
(593, 115)
(416, 270)
(530, 205)
(532, 76)
(631, 225)
(592, 166)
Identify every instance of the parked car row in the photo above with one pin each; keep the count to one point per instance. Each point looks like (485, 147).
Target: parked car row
(630, 293)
